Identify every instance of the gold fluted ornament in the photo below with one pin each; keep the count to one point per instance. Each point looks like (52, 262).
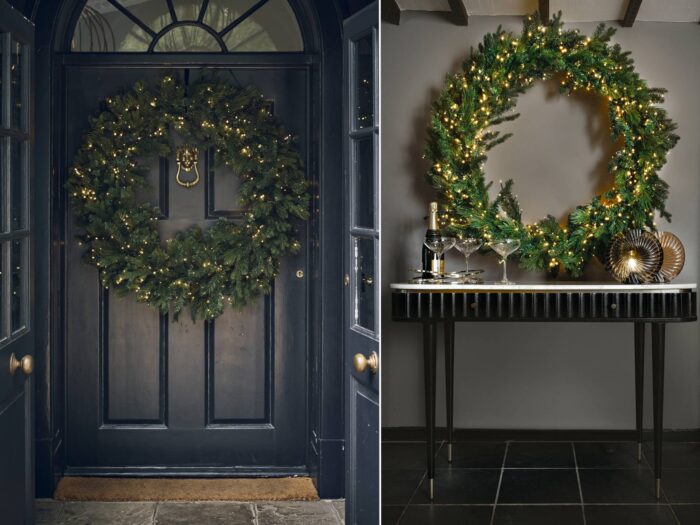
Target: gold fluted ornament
(187, 157)
(635, 257)
(673, 256)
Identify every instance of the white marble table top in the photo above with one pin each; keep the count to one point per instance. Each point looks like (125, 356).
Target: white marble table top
(563, 286)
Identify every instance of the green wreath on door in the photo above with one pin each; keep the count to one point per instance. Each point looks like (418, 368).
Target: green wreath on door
(230, 263)
(484, 93)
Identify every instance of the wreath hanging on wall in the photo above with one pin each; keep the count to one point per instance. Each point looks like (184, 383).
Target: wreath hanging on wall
(228, 263)
(484, 93)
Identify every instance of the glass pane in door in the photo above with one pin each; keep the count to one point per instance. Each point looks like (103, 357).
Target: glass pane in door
(16, 86)
(364, 282)
(3, 273)
(4, 145)
(363, 96)
(18, 185)
(363, 166)
(18, 280)
(3, 53)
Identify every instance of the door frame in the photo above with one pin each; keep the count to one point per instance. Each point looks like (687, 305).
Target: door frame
(319, 21)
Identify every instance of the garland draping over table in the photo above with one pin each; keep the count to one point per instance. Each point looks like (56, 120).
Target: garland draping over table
(484, 94)
(228, 263)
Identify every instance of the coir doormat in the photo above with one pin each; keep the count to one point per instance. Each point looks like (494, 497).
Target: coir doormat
(171, 489)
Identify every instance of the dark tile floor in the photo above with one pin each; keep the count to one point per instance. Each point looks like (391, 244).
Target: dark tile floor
(51, 512)
(522, 483)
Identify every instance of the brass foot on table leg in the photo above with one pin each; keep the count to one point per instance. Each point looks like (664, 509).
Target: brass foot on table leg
(639, 452)
(432, 492)
(658, 489)
(449, 452)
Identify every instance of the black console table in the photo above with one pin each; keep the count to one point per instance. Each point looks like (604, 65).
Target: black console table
(657, 304)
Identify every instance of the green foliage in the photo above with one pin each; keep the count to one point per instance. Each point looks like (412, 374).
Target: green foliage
(484, 93)
(230, 262)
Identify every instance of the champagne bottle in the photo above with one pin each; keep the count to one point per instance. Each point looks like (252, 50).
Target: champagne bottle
(432, 262)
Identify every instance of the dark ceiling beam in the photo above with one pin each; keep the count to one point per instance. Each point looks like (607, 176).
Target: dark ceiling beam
(458, 12)
(391, 12)
(631, 13)
(544, 11)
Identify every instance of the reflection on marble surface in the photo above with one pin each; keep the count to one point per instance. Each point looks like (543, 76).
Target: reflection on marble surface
(550, 287)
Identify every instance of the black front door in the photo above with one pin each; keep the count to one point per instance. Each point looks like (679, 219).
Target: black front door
(16, 270)
(144, 392)
(361, 319)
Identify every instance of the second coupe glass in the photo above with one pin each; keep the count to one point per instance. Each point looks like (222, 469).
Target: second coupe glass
(504, 247)
(467, 246)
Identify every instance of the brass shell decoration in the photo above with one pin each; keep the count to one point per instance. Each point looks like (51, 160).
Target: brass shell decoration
(635, 257)
(673, 257)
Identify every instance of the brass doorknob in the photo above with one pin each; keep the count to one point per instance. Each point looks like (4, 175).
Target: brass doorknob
(368, 280)
(361, 362)
(26, 364)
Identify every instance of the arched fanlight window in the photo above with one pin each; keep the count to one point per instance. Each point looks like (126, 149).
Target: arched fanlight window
(175, 26)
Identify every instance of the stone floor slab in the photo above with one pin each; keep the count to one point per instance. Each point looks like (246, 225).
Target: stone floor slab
(47, 512)
(205, 513)
(296, 513)
(107, 513)
(52, 512)
(339, 505)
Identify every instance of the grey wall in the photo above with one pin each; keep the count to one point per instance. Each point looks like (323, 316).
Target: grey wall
(533, 376)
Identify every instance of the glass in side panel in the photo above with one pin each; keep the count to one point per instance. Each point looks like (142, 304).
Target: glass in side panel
(363, 180)
(365, 283)
(17, 87)
(363, 96)
(18, 178)
(18, 283)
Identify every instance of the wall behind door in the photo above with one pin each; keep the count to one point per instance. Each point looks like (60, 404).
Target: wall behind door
(533, 376)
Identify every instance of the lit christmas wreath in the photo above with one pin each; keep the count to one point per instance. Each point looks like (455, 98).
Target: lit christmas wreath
(228, 263)
(484, 93)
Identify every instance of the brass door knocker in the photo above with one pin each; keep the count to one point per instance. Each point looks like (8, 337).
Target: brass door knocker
(187, 157)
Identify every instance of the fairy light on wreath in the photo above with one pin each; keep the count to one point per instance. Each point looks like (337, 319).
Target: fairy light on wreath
(484, 93)
(230, 263)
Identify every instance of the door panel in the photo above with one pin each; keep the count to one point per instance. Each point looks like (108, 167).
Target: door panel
(12, 473)
(144, 391)
(133, 354)
(16, 269)
(366, 415)
(361, 319)
(237, 346)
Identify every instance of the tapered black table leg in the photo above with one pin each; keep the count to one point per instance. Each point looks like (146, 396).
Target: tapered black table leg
(450, 383)
(430, 356)
(639, 383)
(658, 344)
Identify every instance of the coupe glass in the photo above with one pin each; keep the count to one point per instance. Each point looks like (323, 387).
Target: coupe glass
(440, 244)
(504, 247)
(467, 246)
